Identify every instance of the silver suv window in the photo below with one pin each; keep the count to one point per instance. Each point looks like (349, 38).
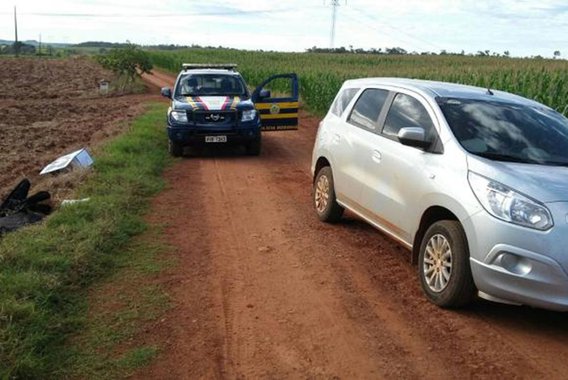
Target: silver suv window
(405, 112)
(343, 100)
(366, 111)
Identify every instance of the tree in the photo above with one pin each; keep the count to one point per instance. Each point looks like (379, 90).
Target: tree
(128, 63)
(396, 51)
(21, 48)
(556, 54)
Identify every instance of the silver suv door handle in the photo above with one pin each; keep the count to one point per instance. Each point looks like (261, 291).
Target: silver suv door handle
(377, 156)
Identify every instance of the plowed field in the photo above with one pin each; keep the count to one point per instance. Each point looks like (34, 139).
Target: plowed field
(49, 108)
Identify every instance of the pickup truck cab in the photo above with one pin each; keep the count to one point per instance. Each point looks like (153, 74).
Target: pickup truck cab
(212, 105)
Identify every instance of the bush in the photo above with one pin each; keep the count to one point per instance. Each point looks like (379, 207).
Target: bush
(128, 63)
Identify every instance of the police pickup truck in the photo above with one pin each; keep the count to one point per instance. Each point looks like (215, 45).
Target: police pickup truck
(211, 105)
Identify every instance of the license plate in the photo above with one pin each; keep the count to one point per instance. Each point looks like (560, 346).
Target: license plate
(215, 139)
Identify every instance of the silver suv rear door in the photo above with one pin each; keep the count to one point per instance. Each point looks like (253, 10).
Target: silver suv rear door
(352, 147)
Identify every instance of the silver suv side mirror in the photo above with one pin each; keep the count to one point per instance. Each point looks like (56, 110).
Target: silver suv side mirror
(413, 136)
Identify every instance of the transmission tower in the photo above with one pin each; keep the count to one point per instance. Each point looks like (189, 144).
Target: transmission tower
(334, 5)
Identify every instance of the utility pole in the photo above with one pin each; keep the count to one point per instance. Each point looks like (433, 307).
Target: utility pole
(334, 5)
(16, 44)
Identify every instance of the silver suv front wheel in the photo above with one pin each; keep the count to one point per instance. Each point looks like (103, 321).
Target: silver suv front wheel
(437, 264)
(443, 265)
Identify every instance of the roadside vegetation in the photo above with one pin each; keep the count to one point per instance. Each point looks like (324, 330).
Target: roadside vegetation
(321, 74)
(128, 63)
(47, 271)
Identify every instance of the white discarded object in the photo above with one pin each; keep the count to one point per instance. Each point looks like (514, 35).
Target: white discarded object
(103, 87)
(80, 158)
(69, 202)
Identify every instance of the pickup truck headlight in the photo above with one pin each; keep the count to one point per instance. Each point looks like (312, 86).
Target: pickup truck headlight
(248, 115)
(506, 204)
(179, 116)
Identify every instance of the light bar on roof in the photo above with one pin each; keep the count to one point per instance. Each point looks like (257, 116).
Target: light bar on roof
(225, 66)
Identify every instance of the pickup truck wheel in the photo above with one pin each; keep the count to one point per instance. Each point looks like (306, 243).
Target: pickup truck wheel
(175, 149)
(327, 208)
(443, 265)
(253, 148)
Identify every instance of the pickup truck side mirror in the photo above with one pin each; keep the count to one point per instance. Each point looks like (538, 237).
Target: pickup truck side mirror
(413, 136)
(166, 92)
(264, 94)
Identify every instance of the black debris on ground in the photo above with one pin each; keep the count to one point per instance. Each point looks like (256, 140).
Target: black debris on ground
(19, 210)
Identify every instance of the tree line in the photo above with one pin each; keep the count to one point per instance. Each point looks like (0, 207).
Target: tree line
(401, 51)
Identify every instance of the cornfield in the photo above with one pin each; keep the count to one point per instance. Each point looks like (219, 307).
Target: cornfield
(321, 75)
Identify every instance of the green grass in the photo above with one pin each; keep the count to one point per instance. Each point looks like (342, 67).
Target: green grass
(45, 270)
(119, 309)
(321, 75)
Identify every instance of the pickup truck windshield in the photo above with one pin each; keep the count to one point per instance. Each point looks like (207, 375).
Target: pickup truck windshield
(210, 85)
(508, 132)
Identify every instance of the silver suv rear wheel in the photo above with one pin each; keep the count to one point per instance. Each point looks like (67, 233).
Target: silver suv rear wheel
(327, 208)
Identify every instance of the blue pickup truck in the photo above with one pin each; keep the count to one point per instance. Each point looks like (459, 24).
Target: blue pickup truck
(211, 105)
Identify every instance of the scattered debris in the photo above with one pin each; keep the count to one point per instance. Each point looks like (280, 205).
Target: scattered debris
(266, 249)
(79, 158)
(69, 202)
(19, 210)
(103, 86)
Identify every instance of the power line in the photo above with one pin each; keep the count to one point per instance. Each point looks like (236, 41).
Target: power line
(159, 15)
(397, 30)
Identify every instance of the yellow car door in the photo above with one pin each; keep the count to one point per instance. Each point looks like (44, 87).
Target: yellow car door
(278, 113)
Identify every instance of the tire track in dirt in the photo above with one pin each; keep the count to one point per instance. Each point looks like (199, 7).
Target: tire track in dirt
(263, 289)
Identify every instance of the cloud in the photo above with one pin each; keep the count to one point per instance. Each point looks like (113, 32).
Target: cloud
(524, 27)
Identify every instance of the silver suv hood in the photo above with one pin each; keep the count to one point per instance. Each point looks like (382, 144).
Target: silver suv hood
(542, 183)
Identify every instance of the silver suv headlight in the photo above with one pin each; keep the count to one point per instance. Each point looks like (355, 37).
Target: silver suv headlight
(248, 115)
(179, 116)
(506, 204)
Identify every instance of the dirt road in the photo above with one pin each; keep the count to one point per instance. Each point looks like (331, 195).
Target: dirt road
(264, 290)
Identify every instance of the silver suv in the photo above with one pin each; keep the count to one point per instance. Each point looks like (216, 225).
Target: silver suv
(473, 181)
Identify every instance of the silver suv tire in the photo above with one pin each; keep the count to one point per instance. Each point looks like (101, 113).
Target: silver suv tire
(443, 265)
(323, 195)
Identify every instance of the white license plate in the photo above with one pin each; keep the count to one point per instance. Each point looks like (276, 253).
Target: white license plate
(215, 139)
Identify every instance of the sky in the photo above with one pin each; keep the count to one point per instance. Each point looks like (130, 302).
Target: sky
(522, 27)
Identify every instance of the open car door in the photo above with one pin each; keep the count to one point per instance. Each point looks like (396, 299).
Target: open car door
(280, 112)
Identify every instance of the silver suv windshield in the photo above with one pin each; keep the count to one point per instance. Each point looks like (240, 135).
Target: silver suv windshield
(508, 132)
(210, 85)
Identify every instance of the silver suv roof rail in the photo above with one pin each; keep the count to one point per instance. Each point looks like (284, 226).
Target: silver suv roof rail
(223, 66)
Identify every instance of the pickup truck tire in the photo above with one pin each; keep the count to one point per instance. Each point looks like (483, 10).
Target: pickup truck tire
(175, 149)
(325, 204)
(253, 148)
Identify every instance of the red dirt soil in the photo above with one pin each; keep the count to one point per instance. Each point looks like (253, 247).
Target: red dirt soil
(50, 107)
(265, 290)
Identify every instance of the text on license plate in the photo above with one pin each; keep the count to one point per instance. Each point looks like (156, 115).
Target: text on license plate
(215, 139)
